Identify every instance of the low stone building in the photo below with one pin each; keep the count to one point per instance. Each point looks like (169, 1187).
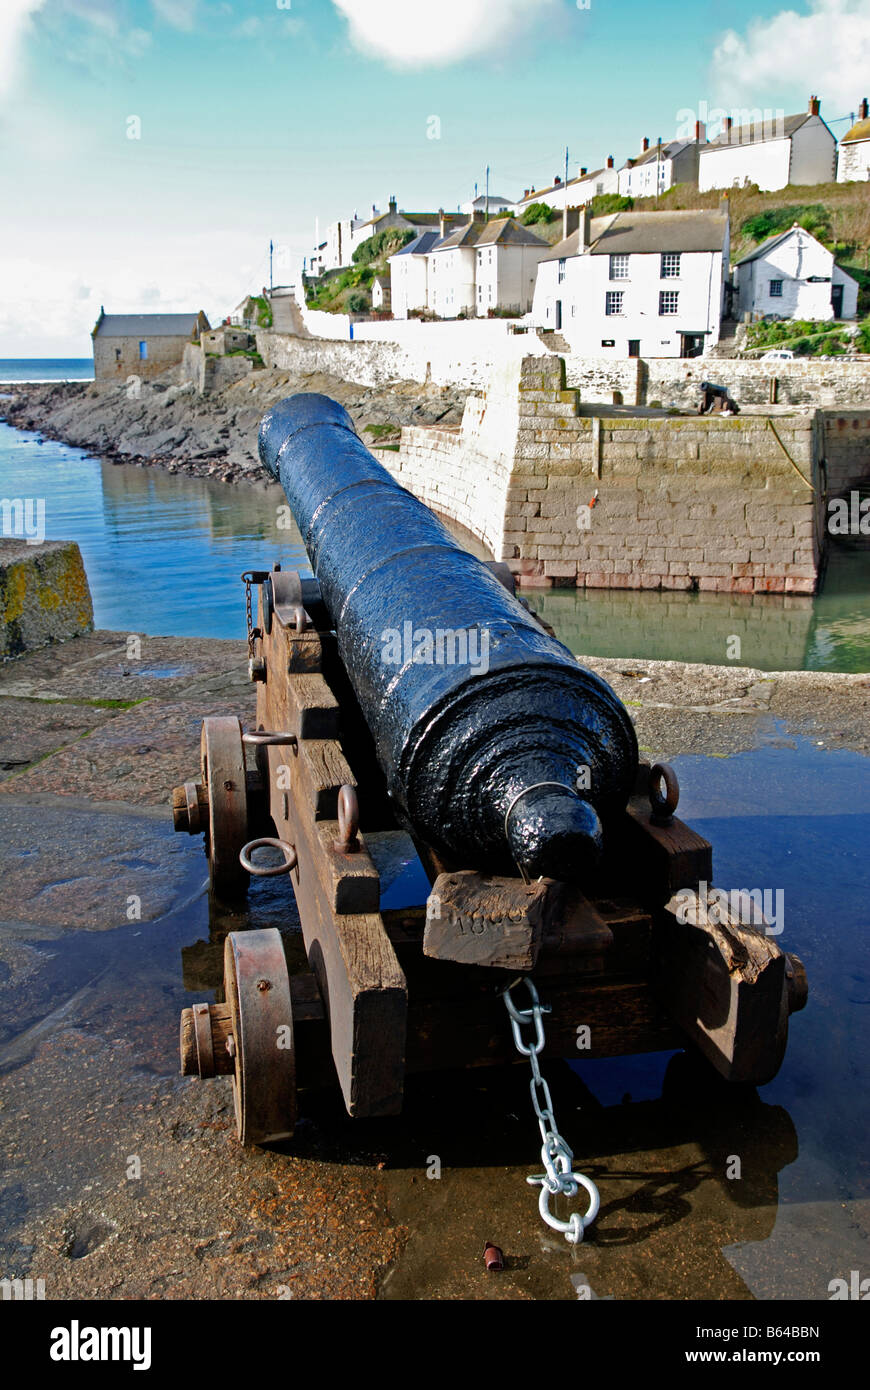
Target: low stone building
(854, 159)
(142, 344)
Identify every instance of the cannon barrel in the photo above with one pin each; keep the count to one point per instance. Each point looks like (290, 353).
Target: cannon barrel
(499, 749)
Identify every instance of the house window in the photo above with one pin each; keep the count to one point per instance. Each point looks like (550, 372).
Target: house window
(619, 267)
(599, 189)
(669, 301)
(561, 271)
(776, 289)
(670, 265)
(143, 351)
(613, 302)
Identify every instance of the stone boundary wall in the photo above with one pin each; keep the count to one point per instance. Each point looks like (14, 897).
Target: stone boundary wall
(707, 503)
(44, 595)
(675, 381)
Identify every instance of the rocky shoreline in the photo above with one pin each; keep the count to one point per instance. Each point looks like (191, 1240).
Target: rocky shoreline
(167, 425)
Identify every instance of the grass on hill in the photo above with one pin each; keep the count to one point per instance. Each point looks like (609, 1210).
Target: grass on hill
(348, 291)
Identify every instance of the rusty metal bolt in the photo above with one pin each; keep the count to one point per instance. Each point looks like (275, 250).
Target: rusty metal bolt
(231, 1045)
(263, 985)
(492, 1257)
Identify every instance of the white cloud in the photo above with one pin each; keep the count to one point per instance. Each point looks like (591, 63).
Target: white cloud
(414, 36)
(825, 49)
(14, 23)
(181, 14)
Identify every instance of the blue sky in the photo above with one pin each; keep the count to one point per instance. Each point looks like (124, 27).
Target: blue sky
(259, 116)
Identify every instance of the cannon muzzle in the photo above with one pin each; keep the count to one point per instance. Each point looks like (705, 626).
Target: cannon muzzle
(499, 749)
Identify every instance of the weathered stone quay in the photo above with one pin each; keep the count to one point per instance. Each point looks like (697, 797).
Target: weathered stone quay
(569, 494)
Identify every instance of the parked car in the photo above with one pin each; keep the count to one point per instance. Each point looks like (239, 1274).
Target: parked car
(778, 355)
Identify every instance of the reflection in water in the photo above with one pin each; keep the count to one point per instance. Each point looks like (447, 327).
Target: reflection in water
(830, 632)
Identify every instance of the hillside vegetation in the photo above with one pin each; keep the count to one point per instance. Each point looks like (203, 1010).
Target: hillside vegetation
(349, 291)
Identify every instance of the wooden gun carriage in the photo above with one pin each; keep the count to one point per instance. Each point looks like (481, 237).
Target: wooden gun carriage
(409, 948)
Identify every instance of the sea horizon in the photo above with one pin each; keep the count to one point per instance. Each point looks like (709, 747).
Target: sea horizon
(40, 369)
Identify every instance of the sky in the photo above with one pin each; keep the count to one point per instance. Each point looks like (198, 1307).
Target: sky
(149, 149)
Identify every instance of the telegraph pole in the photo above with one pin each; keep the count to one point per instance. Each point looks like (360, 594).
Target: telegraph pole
(270, 265)
(565, 212)
(486, 198)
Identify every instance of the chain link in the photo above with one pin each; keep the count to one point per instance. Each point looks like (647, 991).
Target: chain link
(251, 577)
(556, 1156)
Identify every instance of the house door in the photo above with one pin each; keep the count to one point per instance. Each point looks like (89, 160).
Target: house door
(692, 344)
(558, 314)
(837, 300)
(634, 347)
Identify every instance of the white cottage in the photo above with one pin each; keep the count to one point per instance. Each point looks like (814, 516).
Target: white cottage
(637, 284)
(409, 275)
(793, 276)
(492, 204)
(658, 167)
(483, 266)
(769, 150)
(854, 160)
(576, 192)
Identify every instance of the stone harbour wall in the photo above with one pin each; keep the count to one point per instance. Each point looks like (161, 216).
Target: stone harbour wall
(712, 503)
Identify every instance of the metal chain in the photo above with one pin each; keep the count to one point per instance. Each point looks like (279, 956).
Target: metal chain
(555, 1154)
(252, 577)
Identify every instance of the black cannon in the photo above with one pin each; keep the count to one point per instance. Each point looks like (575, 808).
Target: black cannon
(455, 801)
(498, 747)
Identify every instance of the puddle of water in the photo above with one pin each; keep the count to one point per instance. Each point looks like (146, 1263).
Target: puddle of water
(655, 1136)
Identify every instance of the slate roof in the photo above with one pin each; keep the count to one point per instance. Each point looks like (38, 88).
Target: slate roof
(669, 150)
(624, 233)
(757, 132)
(147, 325)
(499, 231)
(420, 245)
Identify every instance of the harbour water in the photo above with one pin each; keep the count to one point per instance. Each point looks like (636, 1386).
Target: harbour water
(164, 553)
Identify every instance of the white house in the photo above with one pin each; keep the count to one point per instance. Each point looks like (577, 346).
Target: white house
(492, 205)
(793, 276)
(769, 150)
(637, 284)
(506, 267)
(483, 266)
(409, 275)
(658, 167)
(576, 192)
(338, 247)
(854, 161)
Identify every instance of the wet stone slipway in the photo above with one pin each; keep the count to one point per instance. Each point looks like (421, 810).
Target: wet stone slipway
(121, 1179)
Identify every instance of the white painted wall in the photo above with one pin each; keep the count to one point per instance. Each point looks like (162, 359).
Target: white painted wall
(792, 261)
(408, 281)
(451, 281)
(854, 162)
(813, 153)
(506, 277)
(728, 166)
(576, 193)
(583, 291)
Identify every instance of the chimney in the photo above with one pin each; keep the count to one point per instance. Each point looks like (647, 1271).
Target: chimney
(813, 107)
(726, 128)
(392, 204)
(644, 145)
(525, 193)
(442, 223)
(724, 205)
(374, 211)
(610, 161)
(700, 133)
(583, 172)
(556, 181)
(863, 110)
(584, 228)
